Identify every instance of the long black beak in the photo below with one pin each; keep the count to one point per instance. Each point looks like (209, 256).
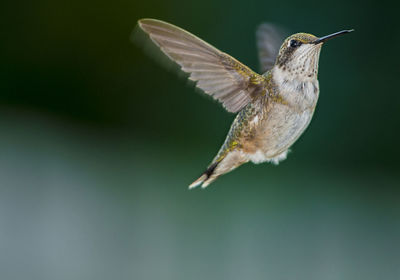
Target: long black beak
(327, 37)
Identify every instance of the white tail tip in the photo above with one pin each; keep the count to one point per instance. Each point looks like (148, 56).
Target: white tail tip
(205, 184)
(198, 182)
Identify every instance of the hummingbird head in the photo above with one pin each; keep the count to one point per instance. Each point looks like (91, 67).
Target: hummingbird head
(299, 54)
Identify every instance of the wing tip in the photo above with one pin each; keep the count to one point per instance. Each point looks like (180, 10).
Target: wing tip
(147, 20)
(143, 23)
(151, 22)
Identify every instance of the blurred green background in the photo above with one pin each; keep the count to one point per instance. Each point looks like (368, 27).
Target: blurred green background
(99, 143)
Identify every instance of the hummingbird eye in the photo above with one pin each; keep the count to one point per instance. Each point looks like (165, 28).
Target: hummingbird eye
(294, 43)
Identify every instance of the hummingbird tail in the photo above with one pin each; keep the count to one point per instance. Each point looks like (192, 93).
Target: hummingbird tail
(204, 180)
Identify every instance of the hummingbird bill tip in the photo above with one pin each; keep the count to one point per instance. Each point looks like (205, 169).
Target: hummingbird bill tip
(330, 36)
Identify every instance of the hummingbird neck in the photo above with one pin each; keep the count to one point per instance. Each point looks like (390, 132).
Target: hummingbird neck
(301, 64)
(302, 90)
(283, 75)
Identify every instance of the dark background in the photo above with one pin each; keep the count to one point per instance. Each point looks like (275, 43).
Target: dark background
(99, 143)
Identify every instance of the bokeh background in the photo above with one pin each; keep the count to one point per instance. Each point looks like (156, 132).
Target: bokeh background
(99, 143)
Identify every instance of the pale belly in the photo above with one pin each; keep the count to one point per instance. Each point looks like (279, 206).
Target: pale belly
(284, 122)
(278, 131)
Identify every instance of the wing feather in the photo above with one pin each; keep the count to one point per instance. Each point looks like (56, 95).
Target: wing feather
(216, 73)
(269, 39)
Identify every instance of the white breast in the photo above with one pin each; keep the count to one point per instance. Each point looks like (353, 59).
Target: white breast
(286, 122)
(300, 91)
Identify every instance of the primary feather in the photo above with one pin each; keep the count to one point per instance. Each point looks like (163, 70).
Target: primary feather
(216, 73)
(269, 39)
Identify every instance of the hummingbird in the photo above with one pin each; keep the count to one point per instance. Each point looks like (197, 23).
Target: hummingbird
(273, 109)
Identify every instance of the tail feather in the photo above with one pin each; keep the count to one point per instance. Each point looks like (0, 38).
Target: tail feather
(204, 180)
(198, 182)
(207, 182)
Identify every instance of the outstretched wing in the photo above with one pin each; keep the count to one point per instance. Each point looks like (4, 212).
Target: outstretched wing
(269, 39)
(215, 72)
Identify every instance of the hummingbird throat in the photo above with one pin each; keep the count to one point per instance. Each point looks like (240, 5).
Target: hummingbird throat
(298, 89)
(301, 64)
